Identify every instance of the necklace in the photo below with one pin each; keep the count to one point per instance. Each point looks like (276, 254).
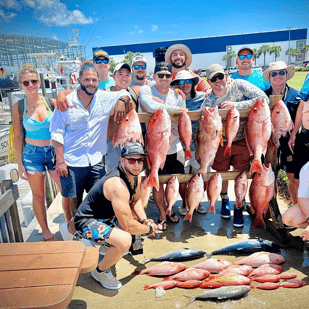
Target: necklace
(33, 108)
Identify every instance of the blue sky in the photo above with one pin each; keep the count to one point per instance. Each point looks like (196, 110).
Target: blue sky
(104, 23)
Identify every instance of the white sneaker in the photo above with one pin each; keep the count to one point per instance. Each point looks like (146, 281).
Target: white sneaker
(63, 228)
(107, 279)
(201, 209)
(182, 209)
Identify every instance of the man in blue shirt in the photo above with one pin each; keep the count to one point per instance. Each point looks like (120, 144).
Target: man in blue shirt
(245, 60)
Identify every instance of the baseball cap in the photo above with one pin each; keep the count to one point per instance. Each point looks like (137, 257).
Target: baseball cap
(162, 66)
(100, 53)
(122, 65)
(139, 58)
(132, 148)
(245, 47)
(214, 69)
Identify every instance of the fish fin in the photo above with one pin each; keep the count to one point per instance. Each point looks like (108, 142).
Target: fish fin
(188, 153)
(167, 278)
(146, 287)
(258, 221)
(228, 150)
(188, 217)
(256, 166)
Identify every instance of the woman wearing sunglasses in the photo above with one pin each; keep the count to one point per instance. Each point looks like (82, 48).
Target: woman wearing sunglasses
(277, 75)
(37, 155)
(186, 82)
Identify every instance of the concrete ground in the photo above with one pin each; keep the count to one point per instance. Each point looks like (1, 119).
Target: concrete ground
(206, 232)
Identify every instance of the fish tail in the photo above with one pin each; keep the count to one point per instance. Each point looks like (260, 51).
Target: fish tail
(252, 286)
(238, 204)
(256, 166)
(146, 287)
(167, 278)
(212, 208)
(228, 150)
(209, 255)
(258, 221)
(188, 217)
(152, 182)
(188, 153)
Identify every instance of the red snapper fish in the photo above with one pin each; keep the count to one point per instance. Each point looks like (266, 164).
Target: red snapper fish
(209, 136)
(266, 286)
(171, 194)
(232, 280)
(194, 195)
(165, 285)
(266, 269)
(240, 188)
(214, 188)
(293, 283)
(231, 129)
(287, 275)
(262, 190)
(190, 284)
(157, 144)
(281, 121)
(190, 274)
(185, 133)
(243, 270)
(267, 278)
(260, 258)
(129, 130)
(214, 266)
(257, 131)
(162, 269)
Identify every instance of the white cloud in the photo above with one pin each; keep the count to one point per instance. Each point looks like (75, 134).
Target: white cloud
(154, 28)
(132, 32)
(136, 27)
(55, 37)
(140, 31)
(6, 17)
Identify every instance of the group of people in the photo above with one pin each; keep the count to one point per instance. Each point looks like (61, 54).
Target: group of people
(73, 143)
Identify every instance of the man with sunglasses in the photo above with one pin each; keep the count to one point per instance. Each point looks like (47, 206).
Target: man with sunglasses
(139, 70)
(113, 211)
(278, 74)
(179, 56)
(241, 94)
(245, 61)
(151, 98)
(102, 63)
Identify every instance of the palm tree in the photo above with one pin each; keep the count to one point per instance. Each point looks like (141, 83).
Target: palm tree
(293, 52)
(276, 49)
(232, 54)
(256, 54)
(305, 49)
(264, 49)
(225, 58)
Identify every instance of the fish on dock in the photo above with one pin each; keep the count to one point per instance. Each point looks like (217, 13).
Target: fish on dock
(260, 258)
(179, 255)
(162, 270)
(164, 284)
(232, 280)
(266, 286)
(214, 266)
(243, 270)
(293, 283)
(267, 269)
(267, 278)
(190, 274)
(189, 284)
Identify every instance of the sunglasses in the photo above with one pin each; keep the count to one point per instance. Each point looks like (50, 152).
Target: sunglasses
(220, 76)
(133, 161)
(142, 66)
(161, 75)
(188, 81)
(242, 57)
(281, 73)
(105, 61)
(26, 83)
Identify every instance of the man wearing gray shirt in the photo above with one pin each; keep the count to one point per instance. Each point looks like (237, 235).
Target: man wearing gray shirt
(241, 94)
(151, 98)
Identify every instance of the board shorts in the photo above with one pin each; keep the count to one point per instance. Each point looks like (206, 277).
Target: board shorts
(174, 164)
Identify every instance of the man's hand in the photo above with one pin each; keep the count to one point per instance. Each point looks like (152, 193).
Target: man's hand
(62, 169)
(305, 234)
(291, 142)
(180, 92)
(227, 105)
(62, 102)
(119, 111)
(154, 228)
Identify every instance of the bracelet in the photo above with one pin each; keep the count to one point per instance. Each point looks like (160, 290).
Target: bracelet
(59, 163)
(150, 229)
(123, 100)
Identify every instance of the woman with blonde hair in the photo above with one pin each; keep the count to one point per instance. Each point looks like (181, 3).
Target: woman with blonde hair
(34, 152)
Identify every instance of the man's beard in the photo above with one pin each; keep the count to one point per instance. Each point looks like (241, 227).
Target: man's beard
(84, 88)
(140, 77)
(178, 66)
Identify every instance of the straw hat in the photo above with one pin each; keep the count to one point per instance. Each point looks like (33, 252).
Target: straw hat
(279, 65)
(184, 75)
(182, 47)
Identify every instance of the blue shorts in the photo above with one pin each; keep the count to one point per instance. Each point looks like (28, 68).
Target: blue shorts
(80, 179)
(98, 229)
(39, 159)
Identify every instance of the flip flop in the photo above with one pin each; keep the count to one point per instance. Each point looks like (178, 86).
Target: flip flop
(161, 222)
(172, 218)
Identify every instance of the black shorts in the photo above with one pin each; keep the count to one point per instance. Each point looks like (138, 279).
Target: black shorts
(285, 156)
(174, 164)
(301, 152)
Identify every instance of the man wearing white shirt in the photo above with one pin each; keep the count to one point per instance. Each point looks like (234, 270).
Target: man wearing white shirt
(79, 134)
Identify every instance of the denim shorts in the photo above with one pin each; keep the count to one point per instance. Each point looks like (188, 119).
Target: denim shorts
(39, 159)
(80, 179)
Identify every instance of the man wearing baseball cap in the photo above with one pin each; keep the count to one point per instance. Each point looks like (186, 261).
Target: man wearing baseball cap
(245, 61)
(241, 94)
(139, 70)
(112, 212)
(179, 56)
(102, 63)
(151, 98)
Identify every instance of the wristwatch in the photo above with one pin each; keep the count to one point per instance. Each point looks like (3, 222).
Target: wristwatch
(123, 100)
(150, 229)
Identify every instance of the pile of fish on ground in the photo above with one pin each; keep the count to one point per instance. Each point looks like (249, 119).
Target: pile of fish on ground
(261, 126)
(228, 280)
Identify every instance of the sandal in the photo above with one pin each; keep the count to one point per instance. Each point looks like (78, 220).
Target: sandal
(173, 218)
(162, 223)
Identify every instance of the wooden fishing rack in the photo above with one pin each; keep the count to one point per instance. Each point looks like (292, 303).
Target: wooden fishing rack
(275, 227)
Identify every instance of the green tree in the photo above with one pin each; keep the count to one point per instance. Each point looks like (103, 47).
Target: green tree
(293, 52)
(225, 58)
(129, 56)
(264, 49)
(305, 49)
(256, 54)
(232, 55)
(113, 64)
(276, 49)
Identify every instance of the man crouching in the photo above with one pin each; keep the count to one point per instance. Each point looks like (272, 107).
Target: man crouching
(113, 211)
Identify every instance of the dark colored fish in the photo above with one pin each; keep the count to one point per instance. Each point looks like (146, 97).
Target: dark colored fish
(249, 245)
(225, 292)
(178, 255)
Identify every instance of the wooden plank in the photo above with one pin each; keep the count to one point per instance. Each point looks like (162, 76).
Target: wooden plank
(37, 277)
(41, 261)
(18, 234)
(53, 297)
(90, 261)
(48, 247)
(4, 230)
(10, 225)
(7, 199)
